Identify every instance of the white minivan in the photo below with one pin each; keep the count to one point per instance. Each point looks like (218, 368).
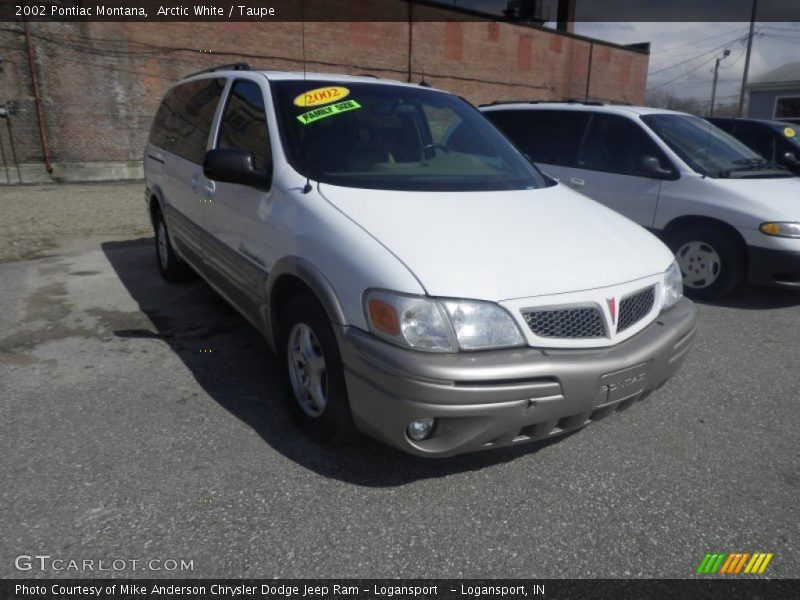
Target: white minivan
(728, 214)
(418, 278)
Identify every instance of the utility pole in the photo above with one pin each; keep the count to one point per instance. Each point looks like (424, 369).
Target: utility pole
(725, 54)
(747, 58)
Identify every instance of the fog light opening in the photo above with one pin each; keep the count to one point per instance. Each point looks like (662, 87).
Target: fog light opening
(421, 429)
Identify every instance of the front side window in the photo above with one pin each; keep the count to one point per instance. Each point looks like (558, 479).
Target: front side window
(244, 123)
(617, 145)
(709, 150)
(392, 137)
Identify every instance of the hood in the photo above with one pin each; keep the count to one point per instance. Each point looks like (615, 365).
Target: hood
(775, 199)
(505, 244)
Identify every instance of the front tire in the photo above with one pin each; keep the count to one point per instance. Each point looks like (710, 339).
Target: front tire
(313, 373)
(711, 261)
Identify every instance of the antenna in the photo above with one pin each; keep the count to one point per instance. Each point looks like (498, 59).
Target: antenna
(307, 186)
(708, 143)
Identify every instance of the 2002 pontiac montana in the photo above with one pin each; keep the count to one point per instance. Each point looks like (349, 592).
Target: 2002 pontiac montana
(419, 279)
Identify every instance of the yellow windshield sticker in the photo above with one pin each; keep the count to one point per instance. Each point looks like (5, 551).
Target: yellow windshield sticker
(323, 95)
(327, 111)
(789, 132)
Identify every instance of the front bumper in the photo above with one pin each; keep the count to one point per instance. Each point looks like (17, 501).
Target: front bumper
(777, 268)
(498, 398)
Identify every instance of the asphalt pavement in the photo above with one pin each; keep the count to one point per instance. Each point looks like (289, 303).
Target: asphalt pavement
(142, 421)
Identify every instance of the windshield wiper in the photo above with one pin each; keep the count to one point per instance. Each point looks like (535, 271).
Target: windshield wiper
(752, 164)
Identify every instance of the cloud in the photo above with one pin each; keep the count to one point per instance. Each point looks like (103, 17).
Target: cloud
(683, 54)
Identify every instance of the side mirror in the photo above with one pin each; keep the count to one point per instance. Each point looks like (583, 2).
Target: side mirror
(234, 166)
(650, 165)
(790, 159)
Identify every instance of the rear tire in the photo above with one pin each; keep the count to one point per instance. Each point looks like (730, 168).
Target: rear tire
(171, 267)
(711, 260)
(312, 372)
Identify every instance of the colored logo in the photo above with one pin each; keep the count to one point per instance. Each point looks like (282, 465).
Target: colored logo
(734, 563)
(612, 309)
(323, 95)
(789, 132)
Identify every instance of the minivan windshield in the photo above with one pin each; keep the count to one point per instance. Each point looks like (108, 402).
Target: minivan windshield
(394, 137)
(709, 150)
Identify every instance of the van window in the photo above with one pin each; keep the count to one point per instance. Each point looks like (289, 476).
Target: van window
(183, 120)
(393, 137)
(758, 138)
(615, 144)
(550, 137)
(244, 123)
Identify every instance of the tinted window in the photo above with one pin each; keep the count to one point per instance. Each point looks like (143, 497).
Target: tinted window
(244, 123)
(547, 136)
(724, 124)
(756, 137)
(183, 120)
(617, 145)
(396, 138)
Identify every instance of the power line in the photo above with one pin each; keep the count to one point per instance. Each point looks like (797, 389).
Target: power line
(698, 67)
(706, 39)
(683, 62)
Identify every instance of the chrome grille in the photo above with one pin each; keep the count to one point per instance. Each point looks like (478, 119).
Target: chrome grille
(634, 308)
(582, 322)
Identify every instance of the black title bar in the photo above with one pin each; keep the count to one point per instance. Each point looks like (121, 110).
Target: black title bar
(383, 589)
(521, 11)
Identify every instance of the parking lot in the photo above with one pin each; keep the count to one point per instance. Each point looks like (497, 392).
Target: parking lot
(142, 420)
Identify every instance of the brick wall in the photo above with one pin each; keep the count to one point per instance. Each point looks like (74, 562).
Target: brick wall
(101, 82)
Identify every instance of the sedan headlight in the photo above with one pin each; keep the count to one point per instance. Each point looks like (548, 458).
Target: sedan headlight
(437, 325)
(673, 285)
(789, 230)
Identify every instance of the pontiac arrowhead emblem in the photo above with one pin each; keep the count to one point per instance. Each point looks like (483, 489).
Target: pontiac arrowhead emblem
(612, 309)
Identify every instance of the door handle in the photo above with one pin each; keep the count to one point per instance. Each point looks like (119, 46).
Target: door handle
(194, 183)
(577, 181)
(208, 189)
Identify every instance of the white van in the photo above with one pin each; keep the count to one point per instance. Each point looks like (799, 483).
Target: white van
(418, 278)
(727, 213)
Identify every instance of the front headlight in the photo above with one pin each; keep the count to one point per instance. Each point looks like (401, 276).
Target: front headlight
(440, 325)
(789, 230)
(482, 325)
(673, 285)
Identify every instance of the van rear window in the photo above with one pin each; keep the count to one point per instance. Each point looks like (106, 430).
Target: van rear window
(183, 120)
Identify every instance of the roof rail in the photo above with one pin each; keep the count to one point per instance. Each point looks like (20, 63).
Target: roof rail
(239, 66)
(577, 101)
(496, 102)
(565, 101)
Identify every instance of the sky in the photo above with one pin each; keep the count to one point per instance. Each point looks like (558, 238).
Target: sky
(682, 55)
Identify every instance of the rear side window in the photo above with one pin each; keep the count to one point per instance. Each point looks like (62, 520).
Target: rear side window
(244, 123)
(550, 137)
(617, 145)
(756, 137)
(183, 120)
